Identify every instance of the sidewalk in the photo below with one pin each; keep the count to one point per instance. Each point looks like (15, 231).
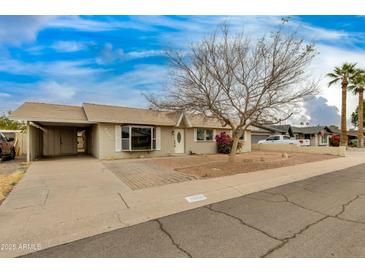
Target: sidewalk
(117, 206)
(152, 203)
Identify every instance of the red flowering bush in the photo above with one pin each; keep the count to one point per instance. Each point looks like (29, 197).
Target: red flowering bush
(335, 140)
(225, 142)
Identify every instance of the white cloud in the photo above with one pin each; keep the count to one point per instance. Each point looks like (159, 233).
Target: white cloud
(19, 29)
(109, 55)
(57, 92)
(143, 54)
(320, 113)
(54, 70)
(125, 89)
(196, 27)
(68, 46)
(328, 58)
(4, 95)
(89, 25)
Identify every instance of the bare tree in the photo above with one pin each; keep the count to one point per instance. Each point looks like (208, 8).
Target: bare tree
(239, 80)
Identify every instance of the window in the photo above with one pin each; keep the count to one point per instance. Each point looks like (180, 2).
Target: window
(125, 138)
(323, 139)
(204, 134)
(286, 138)
(200, 134)
(209, 134)
(136, 138)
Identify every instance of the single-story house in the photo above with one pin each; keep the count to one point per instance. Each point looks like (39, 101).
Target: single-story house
(262, 132)
(318, 135)
(351, 135)
(112, 132)
(283, 129)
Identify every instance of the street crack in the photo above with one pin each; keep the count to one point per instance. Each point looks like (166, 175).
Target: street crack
(284, 241)
(172, 239)
(287, 200)
(243, 222)
(346, 205)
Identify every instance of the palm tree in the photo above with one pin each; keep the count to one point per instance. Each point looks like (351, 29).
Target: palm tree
(342, 74)
(357, 86)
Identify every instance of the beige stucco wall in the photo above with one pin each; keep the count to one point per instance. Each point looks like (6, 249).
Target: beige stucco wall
(338, 151)
(107, 144)
(93, 140)
(209, 147)
(35, 143)
(105, 137)
(199, 147)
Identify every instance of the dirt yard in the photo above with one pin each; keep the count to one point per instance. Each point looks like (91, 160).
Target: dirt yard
(10, 174)
(208, 166)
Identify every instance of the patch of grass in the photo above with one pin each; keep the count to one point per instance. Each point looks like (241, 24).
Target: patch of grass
(7, 182)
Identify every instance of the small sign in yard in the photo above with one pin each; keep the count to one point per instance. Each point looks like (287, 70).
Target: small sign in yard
(195, 198)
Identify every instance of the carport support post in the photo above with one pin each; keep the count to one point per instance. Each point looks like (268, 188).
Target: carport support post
(28, 142)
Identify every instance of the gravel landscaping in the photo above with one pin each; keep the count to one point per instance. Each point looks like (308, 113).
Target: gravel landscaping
(11, 171)
(208, 166)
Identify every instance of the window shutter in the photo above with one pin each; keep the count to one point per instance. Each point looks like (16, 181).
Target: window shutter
(158, 138)
(118, 138)
(195, 133)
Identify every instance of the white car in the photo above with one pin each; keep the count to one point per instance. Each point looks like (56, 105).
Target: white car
(284, 139)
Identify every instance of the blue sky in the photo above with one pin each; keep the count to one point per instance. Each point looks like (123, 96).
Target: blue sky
(113, 59)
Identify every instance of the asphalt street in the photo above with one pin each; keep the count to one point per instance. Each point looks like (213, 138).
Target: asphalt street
(323, 216)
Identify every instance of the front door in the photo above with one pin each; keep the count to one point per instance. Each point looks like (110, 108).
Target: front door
(179, 140)
(67, 141)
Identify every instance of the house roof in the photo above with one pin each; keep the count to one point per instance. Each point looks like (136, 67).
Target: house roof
(280, 128)
(127, 115)
(197, 120)
(255, 127)
(49, 112)
(283, 129)
(311, 130)
(97, 113)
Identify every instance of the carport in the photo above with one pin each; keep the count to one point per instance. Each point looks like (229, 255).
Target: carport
(56, 130)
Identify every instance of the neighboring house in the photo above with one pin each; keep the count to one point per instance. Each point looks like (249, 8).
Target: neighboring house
(262, 132)
(351, 136)
(109, 132)
(318, 135)
(282, 129)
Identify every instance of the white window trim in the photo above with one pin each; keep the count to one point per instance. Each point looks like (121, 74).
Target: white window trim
(118, 138)
(153, 130)
(320, 140)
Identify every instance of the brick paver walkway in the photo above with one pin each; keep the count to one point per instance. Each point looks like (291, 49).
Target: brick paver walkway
(143, 174)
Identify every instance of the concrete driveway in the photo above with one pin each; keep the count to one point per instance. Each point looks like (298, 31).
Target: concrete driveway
(323, 216)
(63, 199)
